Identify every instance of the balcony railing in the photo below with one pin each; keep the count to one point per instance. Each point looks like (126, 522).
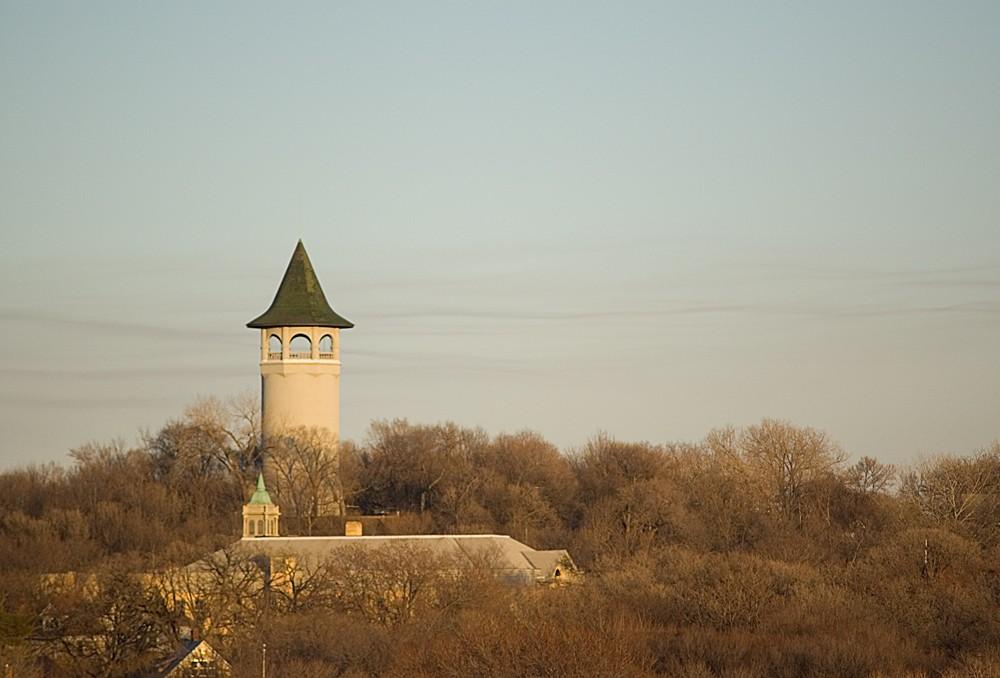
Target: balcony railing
(300, 355)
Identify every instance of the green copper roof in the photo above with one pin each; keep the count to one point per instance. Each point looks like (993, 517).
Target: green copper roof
(300, 299)
(260, 495)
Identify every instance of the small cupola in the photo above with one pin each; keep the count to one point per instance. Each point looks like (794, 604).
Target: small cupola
(260, 515)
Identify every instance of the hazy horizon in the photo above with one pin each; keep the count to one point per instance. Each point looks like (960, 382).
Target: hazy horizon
(650, 221)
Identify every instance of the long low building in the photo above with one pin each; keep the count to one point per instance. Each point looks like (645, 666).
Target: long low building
(508, 558)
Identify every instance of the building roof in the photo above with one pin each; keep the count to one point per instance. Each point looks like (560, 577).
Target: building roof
(509, 557)
(188, 650)
(260, 495)
(300, 299)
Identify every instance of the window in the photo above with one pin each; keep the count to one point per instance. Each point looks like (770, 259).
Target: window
(300, 347)
(326, 346)
(260, 527)
(274, 347)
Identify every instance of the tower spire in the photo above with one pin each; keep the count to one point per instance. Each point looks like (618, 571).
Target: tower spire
(300, 299)
(260, 495)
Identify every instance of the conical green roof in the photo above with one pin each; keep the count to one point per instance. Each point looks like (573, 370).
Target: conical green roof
(300, 299)
(260, 495)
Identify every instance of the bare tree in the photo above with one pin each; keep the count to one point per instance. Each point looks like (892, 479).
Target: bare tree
(107, 625)
(212, 436)
(299, 584)
(960, 491)
(414, 463)
(388, 585)
(305, 466)
(868, 476)
(218, 594)
(783, 458)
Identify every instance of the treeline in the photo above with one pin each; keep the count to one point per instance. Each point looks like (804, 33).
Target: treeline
(759, 551)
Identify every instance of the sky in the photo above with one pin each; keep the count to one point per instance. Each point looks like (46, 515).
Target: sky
(650, 219)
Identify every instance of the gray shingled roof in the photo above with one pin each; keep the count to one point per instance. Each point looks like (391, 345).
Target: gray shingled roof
(513, 559)
(300, 299)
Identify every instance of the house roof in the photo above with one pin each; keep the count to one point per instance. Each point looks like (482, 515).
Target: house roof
(187, 649)
(300, 299)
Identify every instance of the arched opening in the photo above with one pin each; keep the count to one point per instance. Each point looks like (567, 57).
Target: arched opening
(326, 346)
(558, 573)
(274, 347)
(300, 347)
(260, 527)
(252, 531)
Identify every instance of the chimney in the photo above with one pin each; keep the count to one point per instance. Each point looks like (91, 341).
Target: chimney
(352, 528)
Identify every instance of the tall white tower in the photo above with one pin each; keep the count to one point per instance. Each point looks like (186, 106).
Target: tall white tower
(300, 354)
